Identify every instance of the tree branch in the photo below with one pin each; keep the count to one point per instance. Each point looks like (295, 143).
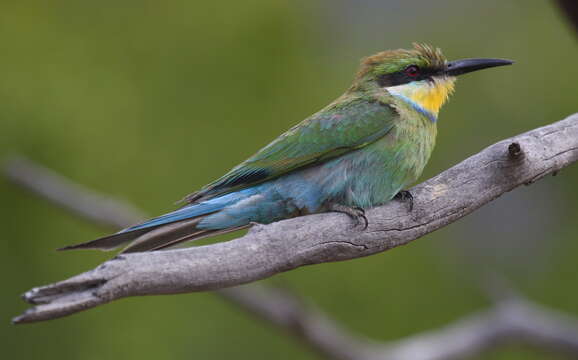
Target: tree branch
(285, 245)
(307, 323)
(78, 200)
(510, 321)
(277, 306)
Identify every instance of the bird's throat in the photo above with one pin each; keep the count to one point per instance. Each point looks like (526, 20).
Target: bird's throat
(426, 96)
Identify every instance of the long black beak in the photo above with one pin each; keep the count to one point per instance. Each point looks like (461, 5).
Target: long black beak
(459, 67)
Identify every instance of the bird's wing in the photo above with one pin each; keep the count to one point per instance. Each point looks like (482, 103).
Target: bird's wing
(335, 130)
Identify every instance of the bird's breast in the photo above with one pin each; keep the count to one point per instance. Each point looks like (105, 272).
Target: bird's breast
(376, 173)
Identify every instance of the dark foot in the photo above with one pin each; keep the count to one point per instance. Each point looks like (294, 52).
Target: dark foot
(404, 196)
(356, 213)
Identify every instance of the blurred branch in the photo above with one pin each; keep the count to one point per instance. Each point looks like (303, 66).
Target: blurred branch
(510, 320)
(79, 200)
(570, 9)
(284, 309)
(286, 245)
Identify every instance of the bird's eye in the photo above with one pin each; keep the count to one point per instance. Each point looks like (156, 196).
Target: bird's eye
(412, 70)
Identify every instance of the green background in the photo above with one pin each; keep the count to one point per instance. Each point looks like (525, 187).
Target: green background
(150, 100)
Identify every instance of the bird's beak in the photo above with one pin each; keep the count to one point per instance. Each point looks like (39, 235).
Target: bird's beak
(459, 67)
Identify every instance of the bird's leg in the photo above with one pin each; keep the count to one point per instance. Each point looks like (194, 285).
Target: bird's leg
(404, 196)
(356, 213)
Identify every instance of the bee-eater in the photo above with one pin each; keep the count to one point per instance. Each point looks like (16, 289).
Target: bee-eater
(360, 151)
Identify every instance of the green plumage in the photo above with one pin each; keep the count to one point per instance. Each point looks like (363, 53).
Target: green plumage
(352, 122)
(356, 153)
(399, 137)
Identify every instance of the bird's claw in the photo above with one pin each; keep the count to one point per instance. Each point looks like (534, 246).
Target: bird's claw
(360, 215)
(404, 196)
(356, 213)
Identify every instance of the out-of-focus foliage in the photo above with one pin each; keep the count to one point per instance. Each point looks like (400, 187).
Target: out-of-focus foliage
(149, 100)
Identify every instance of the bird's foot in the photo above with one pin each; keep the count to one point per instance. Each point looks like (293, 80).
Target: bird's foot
(356, 213)
(404, 196)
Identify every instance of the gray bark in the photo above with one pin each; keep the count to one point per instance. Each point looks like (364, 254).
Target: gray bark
(286, 245)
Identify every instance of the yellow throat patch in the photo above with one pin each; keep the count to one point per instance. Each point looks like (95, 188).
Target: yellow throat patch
(428, 95)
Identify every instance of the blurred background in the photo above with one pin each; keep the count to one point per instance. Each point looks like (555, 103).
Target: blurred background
(149, 100)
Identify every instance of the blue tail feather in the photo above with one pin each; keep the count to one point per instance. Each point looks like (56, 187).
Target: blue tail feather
(193, 210)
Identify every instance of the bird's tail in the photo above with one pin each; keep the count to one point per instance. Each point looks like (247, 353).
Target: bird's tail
(169, 229)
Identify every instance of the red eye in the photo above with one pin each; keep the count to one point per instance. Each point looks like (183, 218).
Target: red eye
(412, 70)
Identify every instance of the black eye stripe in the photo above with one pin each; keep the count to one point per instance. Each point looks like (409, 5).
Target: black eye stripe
(401, 77)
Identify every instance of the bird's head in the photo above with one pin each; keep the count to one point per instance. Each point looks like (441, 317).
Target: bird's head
(421, 76)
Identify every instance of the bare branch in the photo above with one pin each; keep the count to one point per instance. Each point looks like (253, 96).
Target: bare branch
(286, 245)
(513, 320)
(277, 306)
(510, 321)
(77, 199)
(304, 321)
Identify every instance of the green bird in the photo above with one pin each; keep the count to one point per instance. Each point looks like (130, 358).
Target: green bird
(360, 151)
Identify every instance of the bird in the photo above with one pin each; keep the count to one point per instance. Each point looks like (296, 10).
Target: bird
(360, 151)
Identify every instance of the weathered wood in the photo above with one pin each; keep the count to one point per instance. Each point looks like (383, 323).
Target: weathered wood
(285, 245)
